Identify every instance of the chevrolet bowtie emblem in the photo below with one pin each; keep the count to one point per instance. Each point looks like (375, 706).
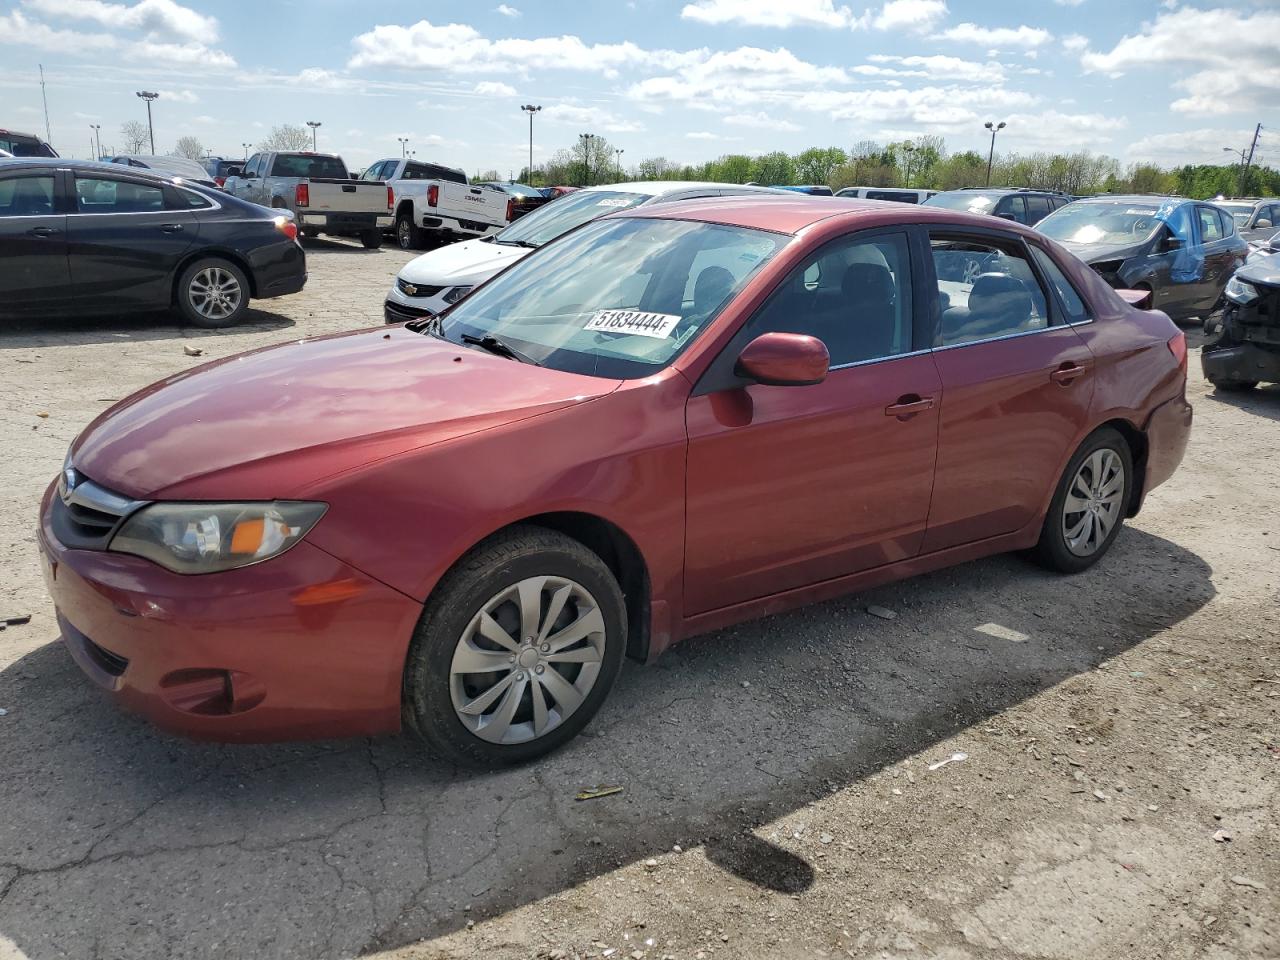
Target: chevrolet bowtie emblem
(410, 289)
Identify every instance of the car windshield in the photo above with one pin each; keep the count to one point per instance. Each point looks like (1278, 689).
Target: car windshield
(548, 222)
(970, 202)
(1120, 222)
(308, 165)
(25, 147)
(618, 298)
(519, 190)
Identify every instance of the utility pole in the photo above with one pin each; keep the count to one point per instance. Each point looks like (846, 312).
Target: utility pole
(909, 149)
(48, 135)
(1257, 132)
(314, 125)
(586, 139)
(994, 128)
(618, 153)
(96, 127)
(530, 109)
(149, 95)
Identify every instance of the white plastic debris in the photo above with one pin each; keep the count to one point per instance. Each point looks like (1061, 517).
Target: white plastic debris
(1002, 633)
(954, 758)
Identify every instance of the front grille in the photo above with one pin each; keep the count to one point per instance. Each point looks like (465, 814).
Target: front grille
(416, 289)
(85, 515)
(393, 312)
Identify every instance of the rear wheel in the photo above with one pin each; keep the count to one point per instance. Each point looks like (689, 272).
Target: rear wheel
(517, 649)
(310, 232)
(408, 235)
(372, 239)
(1089, 505)
(213, 293)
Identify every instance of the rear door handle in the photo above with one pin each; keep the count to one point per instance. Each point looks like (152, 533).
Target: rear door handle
(908, 406)
(43, 232)
(1068, 373)
(171, 228)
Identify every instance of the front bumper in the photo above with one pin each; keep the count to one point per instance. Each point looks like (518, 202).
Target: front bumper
(1248, 348)
(301, 646)
(1247, 362)
(400, 307)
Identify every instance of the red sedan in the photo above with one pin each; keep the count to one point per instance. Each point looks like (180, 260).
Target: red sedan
(665, 422)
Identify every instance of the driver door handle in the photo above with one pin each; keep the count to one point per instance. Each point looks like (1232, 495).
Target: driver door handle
(170, 228)
(43, 232)
(908, 406)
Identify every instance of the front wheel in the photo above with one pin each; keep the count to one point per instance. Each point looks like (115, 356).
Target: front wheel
(517, 649)
(1089, 505)
(372, 239)
(213, 293)
(408, 234)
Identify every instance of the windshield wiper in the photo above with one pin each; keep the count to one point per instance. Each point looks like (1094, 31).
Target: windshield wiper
(499, 347)
(518, 243)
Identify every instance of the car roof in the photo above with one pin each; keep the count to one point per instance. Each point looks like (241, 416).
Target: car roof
(792, 212)
(1159, 199)
(58, 163)
(658, 188)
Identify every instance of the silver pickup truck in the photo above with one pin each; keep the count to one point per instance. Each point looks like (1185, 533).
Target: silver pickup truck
(434, 202)
(319, 191)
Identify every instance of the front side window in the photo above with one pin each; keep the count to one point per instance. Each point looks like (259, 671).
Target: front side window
(618, 298)
(251, 168)
(1015, 206)
(986, 289)
(1072, 303)
(1210, 227)
(854, 296)
(26, 197)
(1037, 208)
(102, 195)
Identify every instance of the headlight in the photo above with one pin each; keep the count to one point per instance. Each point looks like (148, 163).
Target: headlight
(456, 294)
(1241, 292)
(208, 537)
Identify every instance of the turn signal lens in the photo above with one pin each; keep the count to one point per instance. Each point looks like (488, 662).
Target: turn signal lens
(1178, 347)
(287, 226)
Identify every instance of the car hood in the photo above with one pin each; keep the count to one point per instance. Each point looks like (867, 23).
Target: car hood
(1096, 252)
(1264, 270)
(272, 423)
(462, 264)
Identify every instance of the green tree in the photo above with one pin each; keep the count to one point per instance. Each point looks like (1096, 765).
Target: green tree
(815, 164)
(774, 169)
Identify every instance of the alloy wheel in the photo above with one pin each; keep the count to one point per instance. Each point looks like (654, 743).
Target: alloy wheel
(1093, 504)
(215, 293)
(527, 660)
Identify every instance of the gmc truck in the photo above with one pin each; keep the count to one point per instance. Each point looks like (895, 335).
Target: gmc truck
(318, 190)
(434, 202)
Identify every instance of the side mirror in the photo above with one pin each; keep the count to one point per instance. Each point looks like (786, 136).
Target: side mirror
(1170, 243)
(1264, 223)
(784, 360)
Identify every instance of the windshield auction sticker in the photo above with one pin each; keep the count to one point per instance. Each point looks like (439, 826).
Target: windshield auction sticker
(656, 325)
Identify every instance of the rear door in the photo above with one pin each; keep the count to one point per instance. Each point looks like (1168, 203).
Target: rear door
(1037, 208)
(476, 204)
(125, 238)
(1218, 251)
(1017, 382)
(33, 241)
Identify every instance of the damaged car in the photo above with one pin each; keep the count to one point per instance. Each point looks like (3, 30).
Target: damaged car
(1182, 252)
(1243, 349)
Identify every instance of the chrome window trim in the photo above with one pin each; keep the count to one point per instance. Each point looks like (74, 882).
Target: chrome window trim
(892, 356)
(1009, 336)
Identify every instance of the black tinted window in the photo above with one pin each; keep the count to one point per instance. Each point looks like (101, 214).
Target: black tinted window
(25, 146)
(26, 196)
(309, 166)
(1014, 205)
(895, 195)
(100, 195)
(1037, 208)
(192, 200)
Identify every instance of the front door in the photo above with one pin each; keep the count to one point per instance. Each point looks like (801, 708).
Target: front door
(124, 241)
(33, 242)
(788, 486)
(1017, 383)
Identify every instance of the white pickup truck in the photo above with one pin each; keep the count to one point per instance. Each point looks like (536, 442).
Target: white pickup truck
(319, 191)
(430, 201)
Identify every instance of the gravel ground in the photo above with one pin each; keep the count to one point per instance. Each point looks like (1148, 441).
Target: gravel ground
(1118, 797)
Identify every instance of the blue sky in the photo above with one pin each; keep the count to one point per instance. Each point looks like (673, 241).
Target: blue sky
(1166, 81)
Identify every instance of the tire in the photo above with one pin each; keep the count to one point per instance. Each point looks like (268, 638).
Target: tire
(449, 710)
(408, 234)
(310, 232)
(212, 293)
(1103, 448)
(372, 239)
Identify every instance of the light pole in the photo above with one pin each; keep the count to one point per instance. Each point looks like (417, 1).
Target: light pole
(530, 109)
(994, 128)
(246, 149)
(618, 153)
(586, 139)
(314, 125)
(149, 95)
(404, 148)
(1243, 153)
(97, 139)
(909, 149)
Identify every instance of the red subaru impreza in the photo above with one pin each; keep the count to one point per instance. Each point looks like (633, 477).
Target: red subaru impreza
(665, 422)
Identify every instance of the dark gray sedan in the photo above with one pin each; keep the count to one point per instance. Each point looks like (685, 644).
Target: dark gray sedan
(85, 238)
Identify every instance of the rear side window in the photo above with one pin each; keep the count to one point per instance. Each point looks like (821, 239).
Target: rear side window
(100, 195)
(1037, 208)
(190, 200)
(26, 196)
(985, 290)
(1072, 303)
(310, 167)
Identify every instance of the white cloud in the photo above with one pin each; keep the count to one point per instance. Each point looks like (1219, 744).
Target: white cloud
(178, 96)
(190, 54)
(161, 17)
(491, 88)
(1188, 146)
(506, 11)
(770, 13)
(937, 67)
(706, 135)
(1068, 3)
(1073, 42)
(1022, 36)
(1236, 54)
(737, 78)
(910, 14)
(589, 118)
(18, 29)
(761, 121)
(1053, 130)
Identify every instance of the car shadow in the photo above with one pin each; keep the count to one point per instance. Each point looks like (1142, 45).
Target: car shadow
(140, 327)
(1263, 400)
(119, 840)
(342, 245)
